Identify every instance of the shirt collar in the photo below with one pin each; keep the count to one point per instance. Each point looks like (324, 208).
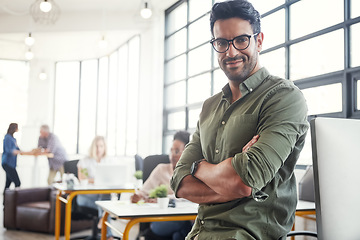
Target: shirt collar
(249, 85)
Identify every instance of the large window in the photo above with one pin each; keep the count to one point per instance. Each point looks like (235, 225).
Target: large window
(14, 81)
(88, 103)
(99, 97)
(318, 51)
(66, 104)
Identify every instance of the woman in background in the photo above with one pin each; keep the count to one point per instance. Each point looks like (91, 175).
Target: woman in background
(9, 157)
(86, 171)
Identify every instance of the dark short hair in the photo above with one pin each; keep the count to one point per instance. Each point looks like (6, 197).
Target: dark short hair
(182, 136)
(12, 128)
(235, 8)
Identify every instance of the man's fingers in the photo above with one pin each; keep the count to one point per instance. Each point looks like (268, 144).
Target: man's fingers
(250, 143)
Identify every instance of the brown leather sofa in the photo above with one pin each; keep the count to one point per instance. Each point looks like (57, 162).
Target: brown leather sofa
(33, 209)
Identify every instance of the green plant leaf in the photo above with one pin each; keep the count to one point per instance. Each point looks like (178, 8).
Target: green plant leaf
(159, 192)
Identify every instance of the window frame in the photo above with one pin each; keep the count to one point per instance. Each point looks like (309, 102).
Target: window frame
(346, 76)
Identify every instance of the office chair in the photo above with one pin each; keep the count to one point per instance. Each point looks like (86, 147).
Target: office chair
(150, 162)
(302, 233)
(71, 167)
(306, 186)
(139, 163)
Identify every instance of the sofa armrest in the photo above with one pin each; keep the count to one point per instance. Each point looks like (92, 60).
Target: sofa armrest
(9, 209)
(27, 195)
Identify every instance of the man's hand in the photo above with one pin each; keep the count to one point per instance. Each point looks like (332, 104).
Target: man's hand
(250, 143)
(224, 180)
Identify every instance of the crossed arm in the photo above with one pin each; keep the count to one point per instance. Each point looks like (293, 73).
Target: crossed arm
(222, 185)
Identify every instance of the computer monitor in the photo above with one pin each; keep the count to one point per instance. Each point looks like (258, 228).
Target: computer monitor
(336, 161)
(111, 175)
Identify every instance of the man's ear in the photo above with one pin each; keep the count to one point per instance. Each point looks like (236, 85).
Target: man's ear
(259, 41)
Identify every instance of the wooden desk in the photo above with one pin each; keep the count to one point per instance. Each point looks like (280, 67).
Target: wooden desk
(147, 212)
(89, 189)
(305, 208)
(150, 212)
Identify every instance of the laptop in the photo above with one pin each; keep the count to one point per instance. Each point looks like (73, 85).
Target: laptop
(111, 175)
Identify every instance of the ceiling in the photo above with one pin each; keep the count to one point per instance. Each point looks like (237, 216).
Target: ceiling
(82, 23)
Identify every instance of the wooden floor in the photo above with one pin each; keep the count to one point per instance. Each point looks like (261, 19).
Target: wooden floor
(24, 235)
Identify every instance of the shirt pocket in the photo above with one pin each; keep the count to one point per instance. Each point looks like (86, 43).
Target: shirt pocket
(238, 131)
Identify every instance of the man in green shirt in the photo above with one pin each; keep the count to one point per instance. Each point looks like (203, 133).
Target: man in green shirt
(239, 164)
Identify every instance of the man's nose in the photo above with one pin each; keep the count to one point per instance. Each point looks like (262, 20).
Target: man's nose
(232, 51)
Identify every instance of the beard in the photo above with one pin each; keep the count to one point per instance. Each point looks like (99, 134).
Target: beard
(239, 74)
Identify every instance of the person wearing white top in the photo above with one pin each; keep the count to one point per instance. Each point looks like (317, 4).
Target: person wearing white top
(86, 171)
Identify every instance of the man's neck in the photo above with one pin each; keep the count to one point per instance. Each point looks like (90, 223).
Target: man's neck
(235, 91)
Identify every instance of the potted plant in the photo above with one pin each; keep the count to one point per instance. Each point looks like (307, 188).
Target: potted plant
(85, 173)
(160, 193)
(139, 181)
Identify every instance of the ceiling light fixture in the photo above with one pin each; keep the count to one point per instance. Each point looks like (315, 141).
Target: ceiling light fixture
(45, 11)
(29, 40)
(29, 55)
(146, 11)
(45, 6)
(42, 76)
(103, 43)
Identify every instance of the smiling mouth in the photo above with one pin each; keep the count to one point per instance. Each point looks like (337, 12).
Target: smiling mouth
(234, 63)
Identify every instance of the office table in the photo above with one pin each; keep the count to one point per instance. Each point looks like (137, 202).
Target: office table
(150, 212)
(146, 212)
(35, 179)
(305, 208)
(76, 190)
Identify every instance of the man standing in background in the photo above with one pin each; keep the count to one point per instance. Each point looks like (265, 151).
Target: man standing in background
(49, 143)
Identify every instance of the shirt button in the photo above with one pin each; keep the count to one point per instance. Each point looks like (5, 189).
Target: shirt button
(217, 150)
(202, 222)
(223, 122)
(251, 89)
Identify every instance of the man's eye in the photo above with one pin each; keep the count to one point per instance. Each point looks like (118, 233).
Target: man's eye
(241, 40)
(221, 43)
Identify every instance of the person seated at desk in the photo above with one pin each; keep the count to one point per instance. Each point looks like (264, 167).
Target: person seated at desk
(161, 175)
(86, 172)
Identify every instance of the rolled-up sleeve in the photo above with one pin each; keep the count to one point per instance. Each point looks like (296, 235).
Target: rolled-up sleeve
(282, 121)
(191, 153)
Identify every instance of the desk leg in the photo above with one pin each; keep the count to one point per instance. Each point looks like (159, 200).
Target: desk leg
(129, 225)
(68, 216)
(35, 180)
(57, 216)
(104, 227)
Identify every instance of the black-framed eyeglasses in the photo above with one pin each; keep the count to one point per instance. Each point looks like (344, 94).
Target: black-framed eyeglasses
(241, 42)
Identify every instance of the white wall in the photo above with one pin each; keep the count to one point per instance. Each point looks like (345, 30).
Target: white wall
(151, 89)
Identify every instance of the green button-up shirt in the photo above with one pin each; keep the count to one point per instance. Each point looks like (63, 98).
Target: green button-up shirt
(275, 109)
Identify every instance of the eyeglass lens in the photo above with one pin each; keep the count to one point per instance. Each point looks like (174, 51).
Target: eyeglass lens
(240, 43)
